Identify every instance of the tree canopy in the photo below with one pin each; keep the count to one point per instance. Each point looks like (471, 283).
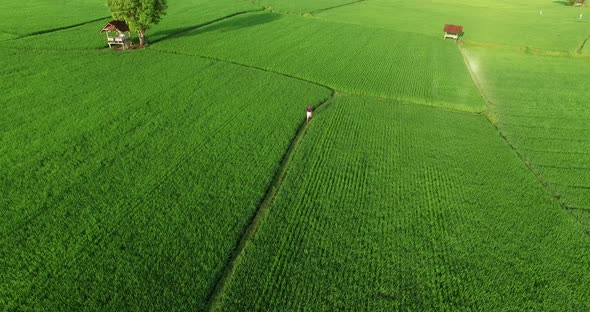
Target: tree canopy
(140, 15)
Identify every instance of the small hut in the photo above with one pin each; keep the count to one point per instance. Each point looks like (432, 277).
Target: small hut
(117, 34)
(579, 3)
(452, 31)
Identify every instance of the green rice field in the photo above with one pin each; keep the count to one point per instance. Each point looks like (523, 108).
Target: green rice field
(434, 174)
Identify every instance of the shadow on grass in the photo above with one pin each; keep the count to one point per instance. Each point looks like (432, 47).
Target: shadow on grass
(227, 23)
(564, 2)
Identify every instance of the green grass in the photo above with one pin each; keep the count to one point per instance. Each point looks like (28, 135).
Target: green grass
(375, 214)
(131, 192)
(181, 17)
(514, 23)
(25, 17)
(358, 60)
(298, 7)
(541, 106)
(128, 179)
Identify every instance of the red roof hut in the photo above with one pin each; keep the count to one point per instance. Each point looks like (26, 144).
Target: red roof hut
(452, 31)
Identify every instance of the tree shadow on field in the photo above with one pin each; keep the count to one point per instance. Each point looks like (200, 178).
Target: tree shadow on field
(223, 24)
(562, 2)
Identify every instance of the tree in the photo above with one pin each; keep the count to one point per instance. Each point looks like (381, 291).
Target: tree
(140, 15)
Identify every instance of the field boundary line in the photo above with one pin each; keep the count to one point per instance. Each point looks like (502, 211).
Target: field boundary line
(260, 213)
(47, 31)
(587, 210)
(528, 50)
(336, 6)
(195, 27)
(380, 98)
(544, 184)
(580, 49)
(211, 58)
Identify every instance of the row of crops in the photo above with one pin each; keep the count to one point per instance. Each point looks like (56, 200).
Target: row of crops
(546, 116)
(401, 207)
(541, 24)
(376, 62)
(300, 6)
(359, 60)
(24, 17)
(128, 178)
(127, 186)
(181, 16)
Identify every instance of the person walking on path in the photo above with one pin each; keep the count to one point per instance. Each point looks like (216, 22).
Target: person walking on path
(309, 112)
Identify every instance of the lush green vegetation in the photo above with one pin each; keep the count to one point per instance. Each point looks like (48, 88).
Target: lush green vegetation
(358, 60)
(130, 179)
(362, 223)
(520, 23)
(299, 6)
(546, 116)
(25, 17)
(131, 191)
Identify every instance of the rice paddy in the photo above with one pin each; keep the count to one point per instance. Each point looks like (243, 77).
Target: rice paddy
(433, 175)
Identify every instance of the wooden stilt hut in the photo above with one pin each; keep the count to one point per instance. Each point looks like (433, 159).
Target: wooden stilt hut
(117, 34)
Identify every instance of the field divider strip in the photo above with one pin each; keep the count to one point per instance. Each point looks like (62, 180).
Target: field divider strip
(585, 209)
(580, 49)
(262, 210)
(336, 6)
(46, 31)
(527, 50)
(544, 184)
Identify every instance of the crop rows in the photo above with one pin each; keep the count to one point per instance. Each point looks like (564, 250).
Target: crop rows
(299, 7)
(375, 214)
(515, 23)
(353, 59)
(181, 16)
(546, 118)
(26, 17)
(134, 201)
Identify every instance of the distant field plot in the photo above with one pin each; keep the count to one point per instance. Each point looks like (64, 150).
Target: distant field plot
(25, 17)
(402, 207)
(126, 186)
(541, 103)
(300, 6)
(349, 58)
(547, 25)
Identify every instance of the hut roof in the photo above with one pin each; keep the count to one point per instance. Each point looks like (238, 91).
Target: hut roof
(453, 29)
(115, 25)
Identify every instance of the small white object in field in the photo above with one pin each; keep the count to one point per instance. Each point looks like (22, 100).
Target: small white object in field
(580, 16)
(541, 12)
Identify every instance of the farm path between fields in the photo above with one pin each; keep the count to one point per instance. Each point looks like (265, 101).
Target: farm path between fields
(263, 208)
(492, 119)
